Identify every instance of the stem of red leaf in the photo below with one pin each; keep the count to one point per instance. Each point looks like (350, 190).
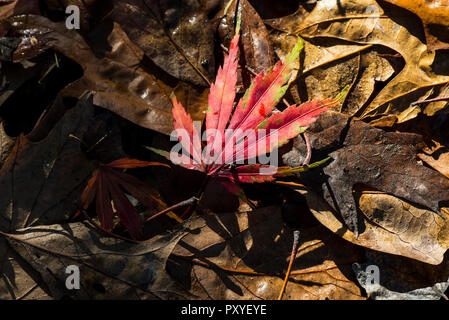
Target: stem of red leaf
(188, 202)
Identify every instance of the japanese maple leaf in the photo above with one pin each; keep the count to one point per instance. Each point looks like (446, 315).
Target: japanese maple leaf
(108, 186)
(227, 127)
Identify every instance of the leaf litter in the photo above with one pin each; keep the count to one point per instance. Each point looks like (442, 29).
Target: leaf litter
(371, 195)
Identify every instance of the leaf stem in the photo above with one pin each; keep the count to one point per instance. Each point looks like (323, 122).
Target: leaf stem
(292, 258)
(189, 202)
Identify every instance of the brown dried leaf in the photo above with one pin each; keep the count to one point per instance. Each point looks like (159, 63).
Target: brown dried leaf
(363, 155)
(10, 8)
(257, 48)
(391, 225)
(110, 268)
(329, 65)
(17, 282)
(6, 145)
(32, 192)
(175, 35)
(30, 179)
(258, 245)
(372, 68)
(118, 81)
(437, 157)
(435, 18)
(365, 22)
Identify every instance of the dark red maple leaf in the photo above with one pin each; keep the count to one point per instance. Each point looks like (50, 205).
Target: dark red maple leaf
(108, 187)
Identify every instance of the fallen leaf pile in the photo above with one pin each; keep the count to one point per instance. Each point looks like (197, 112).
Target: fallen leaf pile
(363, 177)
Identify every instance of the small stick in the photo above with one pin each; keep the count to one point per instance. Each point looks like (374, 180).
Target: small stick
(292, 258)
(188, 202)
(429, 100)
(198, 197)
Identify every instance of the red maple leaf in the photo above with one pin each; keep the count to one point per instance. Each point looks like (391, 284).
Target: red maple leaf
(108, 186)
(227, 126)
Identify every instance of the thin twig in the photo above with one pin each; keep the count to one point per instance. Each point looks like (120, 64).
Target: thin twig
(429, 100)
(198, 197)
(292, 258)
(188, 202)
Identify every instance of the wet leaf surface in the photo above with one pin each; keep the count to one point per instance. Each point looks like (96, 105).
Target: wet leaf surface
(30, 178)
(256, 46)
(32, 194)
(116, 81)
(175, 35)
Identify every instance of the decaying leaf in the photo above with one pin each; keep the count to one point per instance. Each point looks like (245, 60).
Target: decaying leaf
(9, 8)
(16, 281)
(32, 193)
(6, 145)
(365, 22)
(329, 64)
(435, 17)
(391, 225)
(317, 52)
(256, 46)
(110, 268)
(386, 161)
(437, 157)
(175, 35)
(243, 256)
(118, 82)
(30, 179)
(380, 197)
